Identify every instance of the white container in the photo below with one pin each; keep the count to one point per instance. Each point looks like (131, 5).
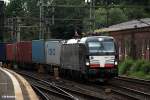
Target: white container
(52, 50)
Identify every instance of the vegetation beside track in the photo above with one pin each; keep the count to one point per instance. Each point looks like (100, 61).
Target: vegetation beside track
(135, 68)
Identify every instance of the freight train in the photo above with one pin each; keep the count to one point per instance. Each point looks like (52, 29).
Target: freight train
(92, 58)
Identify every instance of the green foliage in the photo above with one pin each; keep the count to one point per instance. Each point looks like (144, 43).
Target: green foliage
(137, 69)
(30, 8)
(136, 13)
(107, 2)
(117, 16)
(61, 32)
(100, 18)
(125, 66)
(136, 2)
(65, 29)
(147, 77)
(138, 74)
(15, 8)
(145, 67)
(137, 65)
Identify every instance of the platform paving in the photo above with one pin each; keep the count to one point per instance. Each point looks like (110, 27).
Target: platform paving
(15, 87)
(6, 87)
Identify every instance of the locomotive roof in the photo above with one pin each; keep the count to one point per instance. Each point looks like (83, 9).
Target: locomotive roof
(84, 39)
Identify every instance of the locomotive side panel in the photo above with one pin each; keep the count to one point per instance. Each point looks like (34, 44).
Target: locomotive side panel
(38, 51)
(73, 57)
(52, 52)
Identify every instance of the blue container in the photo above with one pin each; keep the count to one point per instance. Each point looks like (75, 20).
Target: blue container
(2, 52)
(38, 51)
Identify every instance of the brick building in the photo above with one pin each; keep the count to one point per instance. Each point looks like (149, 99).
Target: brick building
(133, 38)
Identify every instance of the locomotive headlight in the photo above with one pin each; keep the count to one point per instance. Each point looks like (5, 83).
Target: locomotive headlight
(87, 63)
(116, 63)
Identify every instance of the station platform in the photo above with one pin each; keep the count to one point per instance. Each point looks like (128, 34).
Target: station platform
(15, 87)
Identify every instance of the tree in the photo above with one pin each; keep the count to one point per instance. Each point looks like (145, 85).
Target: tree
(67, 21)
(32, 8)
(136, 13)
(15, 8)
(116, 15)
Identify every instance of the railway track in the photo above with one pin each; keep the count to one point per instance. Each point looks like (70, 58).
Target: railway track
(50, 89)
(105, 91)
(134, 88)
(52, 94)
(101, 90)
(66, 92)
(134, 80)
(118, 89)
(41, 94)
(125, 91)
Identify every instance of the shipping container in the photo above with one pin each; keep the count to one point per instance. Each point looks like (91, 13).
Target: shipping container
(52, 51)
(38, 51)
(10, 52)
(2, 52)
(24, 52)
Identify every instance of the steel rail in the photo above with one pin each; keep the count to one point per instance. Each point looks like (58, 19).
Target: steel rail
(135, 80)
(50, 84)
(66, 97)
(42, 95)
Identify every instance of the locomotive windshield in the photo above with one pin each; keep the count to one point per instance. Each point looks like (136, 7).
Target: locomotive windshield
(101, 47)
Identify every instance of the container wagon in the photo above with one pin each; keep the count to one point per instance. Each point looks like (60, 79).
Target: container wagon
(52, 51)
(38, 51)
(24, 52)
(10, 52)
(2, 52)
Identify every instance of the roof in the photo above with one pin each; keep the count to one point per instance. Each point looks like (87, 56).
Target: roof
(105, 37)
(84, 39)
(139, 23)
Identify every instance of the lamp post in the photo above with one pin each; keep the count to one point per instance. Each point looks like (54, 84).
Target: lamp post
(41, 34)
(91, 14)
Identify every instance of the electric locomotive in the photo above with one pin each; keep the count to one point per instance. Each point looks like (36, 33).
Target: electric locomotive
(94, 58)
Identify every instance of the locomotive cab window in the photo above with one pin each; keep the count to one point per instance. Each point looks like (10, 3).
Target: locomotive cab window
(107, 46)
(94, 47)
